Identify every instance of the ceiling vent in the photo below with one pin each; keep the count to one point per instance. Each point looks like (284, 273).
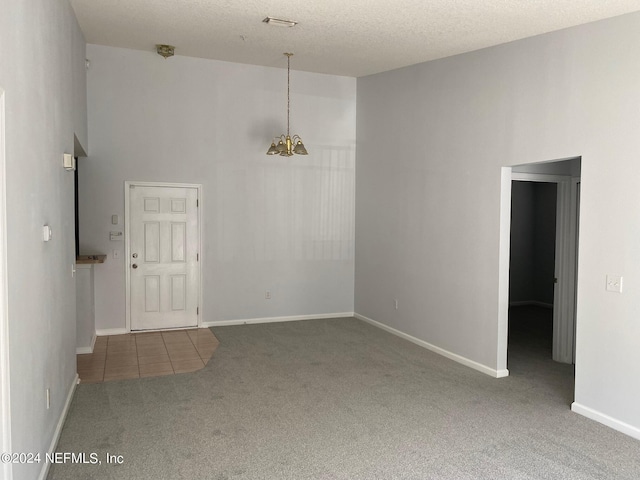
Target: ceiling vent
(279, 22)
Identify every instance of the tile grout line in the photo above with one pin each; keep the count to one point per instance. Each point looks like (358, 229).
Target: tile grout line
(131, 338)
(196, 347)
(167, 350)
(135, 340)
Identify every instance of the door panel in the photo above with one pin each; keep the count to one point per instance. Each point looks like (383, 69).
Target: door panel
(164, 268)
(178, 242)
(178, 292)
(152, 293)
(151, 242)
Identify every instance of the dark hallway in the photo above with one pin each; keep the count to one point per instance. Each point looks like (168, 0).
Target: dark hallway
(529, 352)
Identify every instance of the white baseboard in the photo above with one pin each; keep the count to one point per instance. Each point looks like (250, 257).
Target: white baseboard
(606, 420)
(111, 331)
(441, 351)
(292, 318)
(89, 349)
(532, 303)
(56, 434)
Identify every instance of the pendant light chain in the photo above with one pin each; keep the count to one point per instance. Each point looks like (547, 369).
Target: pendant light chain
(288, 83)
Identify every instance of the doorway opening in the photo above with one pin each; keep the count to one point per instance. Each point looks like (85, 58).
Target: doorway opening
(538, 263)
(531, 271)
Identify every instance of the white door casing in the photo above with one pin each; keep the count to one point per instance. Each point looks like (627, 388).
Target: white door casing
(162, 235)
(575, 208)
(6, 470)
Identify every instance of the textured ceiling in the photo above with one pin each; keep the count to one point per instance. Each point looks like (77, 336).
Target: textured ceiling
(341, 37)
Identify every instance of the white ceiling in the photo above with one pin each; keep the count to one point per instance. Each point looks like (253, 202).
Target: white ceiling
(341, 37)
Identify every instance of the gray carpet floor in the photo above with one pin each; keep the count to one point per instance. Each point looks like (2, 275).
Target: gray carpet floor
(340, 399)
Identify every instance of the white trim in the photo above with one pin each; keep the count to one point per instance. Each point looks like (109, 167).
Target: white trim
(6, 469)
(58, 430)
(111, 331)
(292, 318)
(89, 349)
(503, 268)
(127, 250)
(440, 351)
(606, 420)
(539, 177)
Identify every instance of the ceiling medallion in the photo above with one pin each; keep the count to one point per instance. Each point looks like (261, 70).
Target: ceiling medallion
(165, 51)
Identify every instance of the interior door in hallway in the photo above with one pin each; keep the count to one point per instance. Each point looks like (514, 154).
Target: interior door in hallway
(163, 257)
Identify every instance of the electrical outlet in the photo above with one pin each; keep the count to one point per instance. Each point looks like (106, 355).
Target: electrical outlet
(614, 284)
(116, 254)
(395, 303)
(267, 295)
(48, 398)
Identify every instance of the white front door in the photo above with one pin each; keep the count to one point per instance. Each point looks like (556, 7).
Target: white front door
(164, 259)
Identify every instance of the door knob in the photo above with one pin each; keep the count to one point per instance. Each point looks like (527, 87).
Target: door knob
(135, 255)
(134, 266)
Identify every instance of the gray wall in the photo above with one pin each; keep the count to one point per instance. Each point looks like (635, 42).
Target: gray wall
(533, 236)
(431, 143)
(270, 223)
(42, 71)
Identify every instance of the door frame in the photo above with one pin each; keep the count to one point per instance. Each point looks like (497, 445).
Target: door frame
(564, 306)
(6, 470)
(127, 249)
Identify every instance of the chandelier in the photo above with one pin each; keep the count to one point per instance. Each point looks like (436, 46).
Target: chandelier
(287, 145)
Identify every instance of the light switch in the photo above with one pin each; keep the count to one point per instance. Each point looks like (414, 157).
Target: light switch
(68, 161)
(114, 220)
(614, 284)
(46, 233)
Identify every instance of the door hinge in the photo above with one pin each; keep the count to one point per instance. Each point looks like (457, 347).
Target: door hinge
(197, 257)
(197, 202)
(197, 310)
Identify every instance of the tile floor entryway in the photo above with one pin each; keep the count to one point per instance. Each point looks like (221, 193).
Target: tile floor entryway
(137, 355)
